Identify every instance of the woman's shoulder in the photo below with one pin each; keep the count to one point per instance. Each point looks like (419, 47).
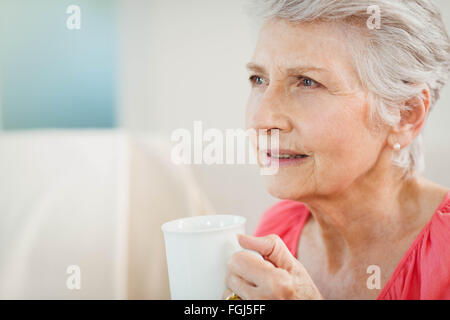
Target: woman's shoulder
(445, 204)
(440, 221)
(436, 201)
(423, 272)
(282, 217)
(441, 218)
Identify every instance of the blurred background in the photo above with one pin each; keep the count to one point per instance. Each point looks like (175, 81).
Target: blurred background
(86, 116)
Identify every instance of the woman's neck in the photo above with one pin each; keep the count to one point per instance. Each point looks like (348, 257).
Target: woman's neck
(373, 212)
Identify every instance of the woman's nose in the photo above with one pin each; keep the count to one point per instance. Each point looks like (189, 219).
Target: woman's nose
(269, 112)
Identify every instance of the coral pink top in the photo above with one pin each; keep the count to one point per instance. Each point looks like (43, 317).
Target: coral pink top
(423, 272)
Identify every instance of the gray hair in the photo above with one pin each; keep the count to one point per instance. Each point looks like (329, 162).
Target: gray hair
(410, 47)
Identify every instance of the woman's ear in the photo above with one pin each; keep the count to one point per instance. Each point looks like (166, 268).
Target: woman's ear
(412, 119)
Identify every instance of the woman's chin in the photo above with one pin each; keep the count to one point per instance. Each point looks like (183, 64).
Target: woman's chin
(283, 190)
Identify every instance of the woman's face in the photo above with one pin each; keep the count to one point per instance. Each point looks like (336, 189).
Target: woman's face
(305, 85)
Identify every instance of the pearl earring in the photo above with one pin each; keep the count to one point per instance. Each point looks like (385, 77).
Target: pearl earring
(397, 146)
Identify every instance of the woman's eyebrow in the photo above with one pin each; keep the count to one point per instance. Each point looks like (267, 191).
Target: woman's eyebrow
(291, 71)
(301, 69)
(255, 67)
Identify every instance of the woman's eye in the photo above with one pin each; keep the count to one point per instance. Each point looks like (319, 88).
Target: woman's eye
(256, 80)
(308, 82)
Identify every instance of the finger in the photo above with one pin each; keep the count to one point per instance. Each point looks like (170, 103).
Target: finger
(249, 267)
(240, 286)
(271, 247)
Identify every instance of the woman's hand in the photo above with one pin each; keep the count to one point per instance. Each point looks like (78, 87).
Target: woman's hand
(279, 276)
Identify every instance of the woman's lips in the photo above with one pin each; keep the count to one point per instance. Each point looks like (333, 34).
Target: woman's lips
(284, 157)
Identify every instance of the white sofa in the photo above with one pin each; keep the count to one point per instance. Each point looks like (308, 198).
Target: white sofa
(94, 199)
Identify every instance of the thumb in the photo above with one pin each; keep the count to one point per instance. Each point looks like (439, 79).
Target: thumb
(271, 247)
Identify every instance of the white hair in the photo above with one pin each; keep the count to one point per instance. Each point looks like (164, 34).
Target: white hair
(410, 47)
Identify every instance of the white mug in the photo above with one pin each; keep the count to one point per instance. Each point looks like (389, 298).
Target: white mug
(197, 251)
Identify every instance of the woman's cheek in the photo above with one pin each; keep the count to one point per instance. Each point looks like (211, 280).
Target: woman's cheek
(333, 141)
(325, 131)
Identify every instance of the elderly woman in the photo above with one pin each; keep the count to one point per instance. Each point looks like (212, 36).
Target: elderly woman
(349, 95)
